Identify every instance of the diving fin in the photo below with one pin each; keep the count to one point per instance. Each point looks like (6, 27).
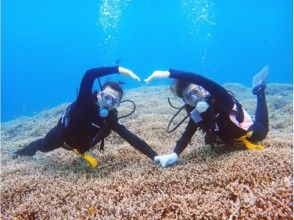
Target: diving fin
(91, 161)
(259, 80)
(248, 144)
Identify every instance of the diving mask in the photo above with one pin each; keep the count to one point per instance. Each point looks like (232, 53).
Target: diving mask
(194, 94)
(107, 100)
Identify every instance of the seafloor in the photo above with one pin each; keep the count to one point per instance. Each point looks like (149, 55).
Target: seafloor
(221, 183)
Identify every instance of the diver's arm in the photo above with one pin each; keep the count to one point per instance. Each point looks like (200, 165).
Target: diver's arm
(135, 141)
(217, 91)
(91, 75)
(183, 142)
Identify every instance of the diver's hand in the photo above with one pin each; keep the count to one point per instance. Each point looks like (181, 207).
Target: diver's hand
(157, 74)
(167, 160)
(127, 72)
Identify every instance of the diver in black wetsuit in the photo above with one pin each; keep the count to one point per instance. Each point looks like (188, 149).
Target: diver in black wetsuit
(90, 119)
(216, 112)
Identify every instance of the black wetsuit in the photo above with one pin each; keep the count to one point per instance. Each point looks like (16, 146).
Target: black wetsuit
(216, 120)
(81, 122)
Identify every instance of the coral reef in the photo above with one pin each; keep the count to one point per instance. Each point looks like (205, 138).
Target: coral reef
(220, 183)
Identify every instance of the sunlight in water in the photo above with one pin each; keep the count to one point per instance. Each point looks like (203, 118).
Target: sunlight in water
(110, 12)
(199, 15)
(201, 22)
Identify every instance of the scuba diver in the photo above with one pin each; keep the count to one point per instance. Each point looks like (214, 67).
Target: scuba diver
(90, 119)
(216, 112)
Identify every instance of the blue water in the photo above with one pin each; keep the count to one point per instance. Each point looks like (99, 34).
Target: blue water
(48, 45)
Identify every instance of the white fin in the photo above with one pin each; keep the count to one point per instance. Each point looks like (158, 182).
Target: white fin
(260, 77)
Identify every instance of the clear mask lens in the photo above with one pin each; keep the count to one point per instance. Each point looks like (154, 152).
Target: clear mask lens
(108, 101)
(192, 98)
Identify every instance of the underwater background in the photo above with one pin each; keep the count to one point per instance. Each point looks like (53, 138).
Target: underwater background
(48, 45)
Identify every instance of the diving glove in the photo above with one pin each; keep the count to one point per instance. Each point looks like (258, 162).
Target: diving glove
(167, 160)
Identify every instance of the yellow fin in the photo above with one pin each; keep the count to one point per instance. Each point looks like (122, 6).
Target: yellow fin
(91, 161)
(249, 134)
(76, 152)
(248, 144)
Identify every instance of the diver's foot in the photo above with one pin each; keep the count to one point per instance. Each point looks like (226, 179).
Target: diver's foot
(23, 152)
(259, 81)
(258, 89)
(15, 155)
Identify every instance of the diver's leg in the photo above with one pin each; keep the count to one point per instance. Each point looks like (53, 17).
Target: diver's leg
(261, 114)
(50, 142)
(261, 125)
(53, 140)
(30, 149)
